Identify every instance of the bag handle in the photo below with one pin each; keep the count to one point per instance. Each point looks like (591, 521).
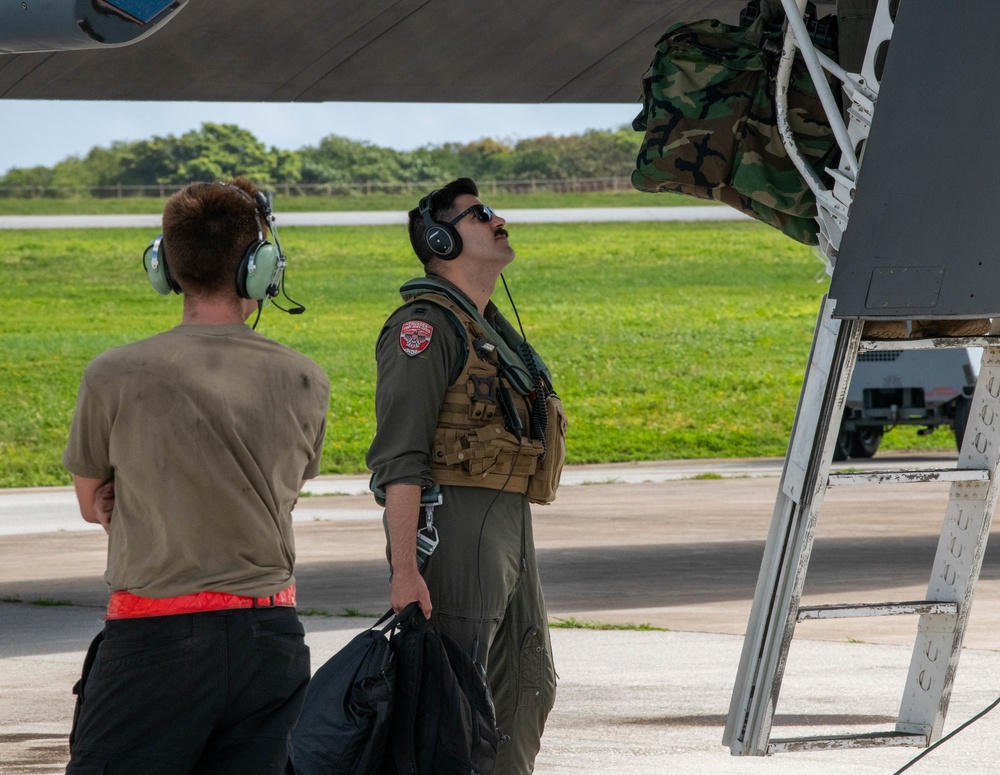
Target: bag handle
(400, 618)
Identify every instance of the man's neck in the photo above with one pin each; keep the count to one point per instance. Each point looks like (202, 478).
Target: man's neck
(477, 286)
(214, 310)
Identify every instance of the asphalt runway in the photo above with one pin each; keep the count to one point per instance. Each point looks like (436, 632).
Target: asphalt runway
(666, 549)
(392, 217)
(641, 544)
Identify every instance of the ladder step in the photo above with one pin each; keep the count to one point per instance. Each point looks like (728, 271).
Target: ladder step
(853, 610)
(838, 742)
(947, 342)
(906, 477)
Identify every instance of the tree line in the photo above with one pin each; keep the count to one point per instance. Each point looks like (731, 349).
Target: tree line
(221, 151)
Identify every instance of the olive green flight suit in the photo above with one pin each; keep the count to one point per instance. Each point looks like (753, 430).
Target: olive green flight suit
(483, 578)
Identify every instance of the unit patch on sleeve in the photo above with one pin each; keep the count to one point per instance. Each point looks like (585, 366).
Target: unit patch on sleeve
(414, 336)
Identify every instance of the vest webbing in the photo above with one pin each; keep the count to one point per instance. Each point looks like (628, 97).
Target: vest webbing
(472, 446)
(512, 350)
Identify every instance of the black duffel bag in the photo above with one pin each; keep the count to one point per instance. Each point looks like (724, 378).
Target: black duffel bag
(344, 725)
(444, 720)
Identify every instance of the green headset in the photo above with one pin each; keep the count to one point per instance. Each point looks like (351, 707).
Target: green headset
(258, 275)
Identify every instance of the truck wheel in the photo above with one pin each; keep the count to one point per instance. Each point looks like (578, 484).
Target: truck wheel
(865, 442)
(842, 450)
(961, 419)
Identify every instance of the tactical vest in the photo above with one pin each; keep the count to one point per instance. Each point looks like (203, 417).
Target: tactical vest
(473, 445)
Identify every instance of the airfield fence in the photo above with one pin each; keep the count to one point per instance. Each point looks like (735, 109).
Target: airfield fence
(163, 190)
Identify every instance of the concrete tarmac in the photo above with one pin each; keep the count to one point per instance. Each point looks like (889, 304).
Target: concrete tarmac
(396, 217)
(667, 552)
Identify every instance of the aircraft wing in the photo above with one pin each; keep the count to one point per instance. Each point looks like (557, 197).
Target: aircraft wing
(527, 51)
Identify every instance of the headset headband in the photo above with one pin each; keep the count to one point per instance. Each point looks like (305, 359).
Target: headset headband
(260, 271)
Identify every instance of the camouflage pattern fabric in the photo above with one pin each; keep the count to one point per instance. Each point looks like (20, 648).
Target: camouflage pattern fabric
(711, 127)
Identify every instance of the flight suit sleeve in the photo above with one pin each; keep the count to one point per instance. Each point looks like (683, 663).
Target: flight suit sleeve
(419, 354)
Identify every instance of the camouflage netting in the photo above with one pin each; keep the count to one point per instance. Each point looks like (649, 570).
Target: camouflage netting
(711, 127)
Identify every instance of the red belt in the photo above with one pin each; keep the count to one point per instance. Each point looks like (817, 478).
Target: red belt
(125, 605)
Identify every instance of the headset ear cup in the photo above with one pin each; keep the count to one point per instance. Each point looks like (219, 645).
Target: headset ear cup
(154, 261)
(256, 284)
(443, 240)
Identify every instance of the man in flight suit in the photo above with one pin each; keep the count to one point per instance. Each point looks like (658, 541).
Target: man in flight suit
(190, 449)
(461, 403)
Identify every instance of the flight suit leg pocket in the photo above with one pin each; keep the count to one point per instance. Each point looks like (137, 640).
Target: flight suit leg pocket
(531, 668)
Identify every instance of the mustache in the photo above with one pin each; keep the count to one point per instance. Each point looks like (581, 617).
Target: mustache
(501, 231)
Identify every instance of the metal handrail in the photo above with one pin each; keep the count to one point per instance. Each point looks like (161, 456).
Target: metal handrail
(796, 35)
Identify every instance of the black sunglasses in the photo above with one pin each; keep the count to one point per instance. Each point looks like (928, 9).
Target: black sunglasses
(481, 211)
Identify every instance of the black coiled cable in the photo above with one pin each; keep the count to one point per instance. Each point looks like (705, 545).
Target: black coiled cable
(539, 414)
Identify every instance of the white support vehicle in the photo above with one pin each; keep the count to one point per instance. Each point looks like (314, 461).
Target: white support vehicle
(928, 388)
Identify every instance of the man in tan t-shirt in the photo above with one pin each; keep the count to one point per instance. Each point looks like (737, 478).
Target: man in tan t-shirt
(190, 448)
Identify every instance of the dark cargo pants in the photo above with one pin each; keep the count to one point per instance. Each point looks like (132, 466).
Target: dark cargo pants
(489, 588)
(215, 692)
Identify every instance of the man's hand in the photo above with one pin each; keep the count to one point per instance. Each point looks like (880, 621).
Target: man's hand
(104, 504)
(96, 498)
(402, 509)
(407, 587)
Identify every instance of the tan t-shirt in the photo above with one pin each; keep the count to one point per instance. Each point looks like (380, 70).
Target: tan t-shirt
(207, 431)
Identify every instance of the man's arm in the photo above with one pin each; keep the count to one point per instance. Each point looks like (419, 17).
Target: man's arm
(402, 511)
(96, 498)
(408, 396)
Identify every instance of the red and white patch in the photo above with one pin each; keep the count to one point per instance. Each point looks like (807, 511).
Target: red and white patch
(414, 336)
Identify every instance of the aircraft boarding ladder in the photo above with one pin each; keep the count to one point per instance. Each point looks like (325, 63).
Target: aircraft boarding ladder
(837, 343)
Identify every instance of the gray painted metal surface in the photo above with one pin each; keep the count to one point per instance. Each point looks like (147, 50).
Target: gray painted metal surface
(49, 25)
(376, 51)
(848, 610)
(923, 232)
(907, 477)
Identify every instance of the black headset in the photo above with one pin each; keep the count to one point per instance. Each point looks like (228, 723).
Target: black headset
(259, 273)
(441, 238)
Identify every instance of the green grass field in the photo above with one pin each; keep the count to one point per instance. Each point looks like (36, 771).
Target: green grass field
(666, 340)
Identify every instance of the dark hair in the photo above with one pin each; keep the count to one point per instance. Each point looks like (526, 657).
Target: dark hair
(442, 205)
(207, 227)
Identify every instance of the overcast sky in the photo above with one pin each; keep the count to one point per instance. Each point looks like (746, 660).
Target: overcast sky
(34, 132)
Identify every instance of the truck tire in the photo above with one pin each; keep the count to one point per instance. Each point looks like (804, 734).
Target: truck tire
(960, 420)
(865, 441)
(842, 450)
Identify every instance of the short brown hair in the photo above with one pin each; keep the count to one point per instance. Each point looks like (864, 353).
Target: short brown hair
(207, 227)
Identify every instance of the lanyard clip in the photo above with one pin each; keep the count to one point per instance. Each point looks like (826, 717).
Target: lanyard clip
(427, 536)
